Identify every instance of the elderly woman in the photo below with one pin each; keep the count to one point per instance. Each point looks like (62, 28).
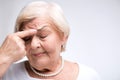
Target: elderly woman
(41, 33)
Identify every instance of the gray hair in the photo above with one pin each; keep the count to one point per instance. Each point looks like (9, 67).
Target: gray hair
(37, 9)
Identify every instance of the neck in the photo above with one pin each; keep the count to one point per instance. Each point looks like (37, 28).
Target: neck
(53, 70)
(54, 66)
(51, 67)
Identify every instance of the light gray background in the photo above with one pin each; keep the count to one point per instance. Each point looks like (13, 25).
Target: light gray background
(95, 32)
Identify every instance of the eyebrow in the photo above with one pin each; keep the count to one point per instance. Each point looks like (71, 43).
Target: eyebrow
(41, 27)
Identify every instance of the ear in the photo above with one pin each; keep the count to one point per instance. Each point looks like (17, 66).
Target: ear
(64, 40)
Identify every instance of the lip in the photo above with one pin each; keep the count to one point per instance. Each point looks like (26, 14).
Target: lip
(38, 54)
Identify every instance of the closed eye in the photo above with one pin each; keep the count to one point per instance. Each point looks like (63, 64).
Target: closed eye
(42, 36)
(26, 39)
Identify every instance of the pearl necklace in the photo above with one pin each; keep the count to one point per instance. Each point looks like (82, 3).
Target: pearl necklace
(48, 75)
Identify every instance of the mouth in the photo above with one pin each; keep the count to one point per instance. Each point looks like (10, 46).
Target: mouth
(38, 54)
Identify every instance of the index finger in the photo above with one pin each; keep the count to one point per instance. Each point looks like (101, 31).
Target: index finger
(26, 33)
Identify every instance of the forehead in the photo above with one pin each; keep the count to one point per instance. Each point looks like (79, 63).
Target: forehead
(38, 23)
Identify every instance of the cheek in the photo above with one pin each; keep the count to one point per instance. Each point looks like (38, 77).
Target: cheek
(52, 44)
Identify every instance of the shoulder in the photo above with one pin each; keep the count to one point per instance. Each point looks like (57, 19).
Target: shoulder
(87, 73)
(83, 72)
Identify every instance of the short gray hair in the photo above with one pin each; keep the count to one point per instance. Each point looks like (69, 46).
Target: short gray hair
(37, 9)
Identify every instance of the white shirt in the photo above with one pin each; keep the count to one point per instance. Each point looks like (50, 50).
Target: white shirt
(87, 73)
(18, 72)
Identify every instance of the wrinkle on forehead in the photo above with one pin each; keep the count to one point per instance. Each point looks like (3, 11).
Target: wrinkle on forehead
(42, 26)
(37, 26)
(38, 23)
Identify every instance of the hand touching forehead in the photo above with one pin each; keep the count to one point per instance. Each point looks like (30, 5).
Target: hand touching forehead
(26, 33)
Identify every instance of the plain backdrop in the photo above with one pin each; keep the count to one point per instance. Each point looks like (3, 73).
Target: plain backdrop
(95, 32)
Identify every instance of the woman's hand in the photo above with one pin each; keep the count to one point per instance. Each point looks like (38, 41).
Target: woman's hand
(13, 48)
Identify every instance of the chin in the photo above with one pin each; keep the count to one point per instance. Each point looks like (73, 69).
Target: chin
(39, 62)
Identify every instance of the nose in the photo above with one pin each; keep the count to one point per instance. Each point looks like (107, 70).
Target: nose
(35, 43)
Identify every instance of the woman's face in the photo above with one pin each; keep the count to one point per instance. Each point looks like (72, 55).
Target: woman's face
(44, 47)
